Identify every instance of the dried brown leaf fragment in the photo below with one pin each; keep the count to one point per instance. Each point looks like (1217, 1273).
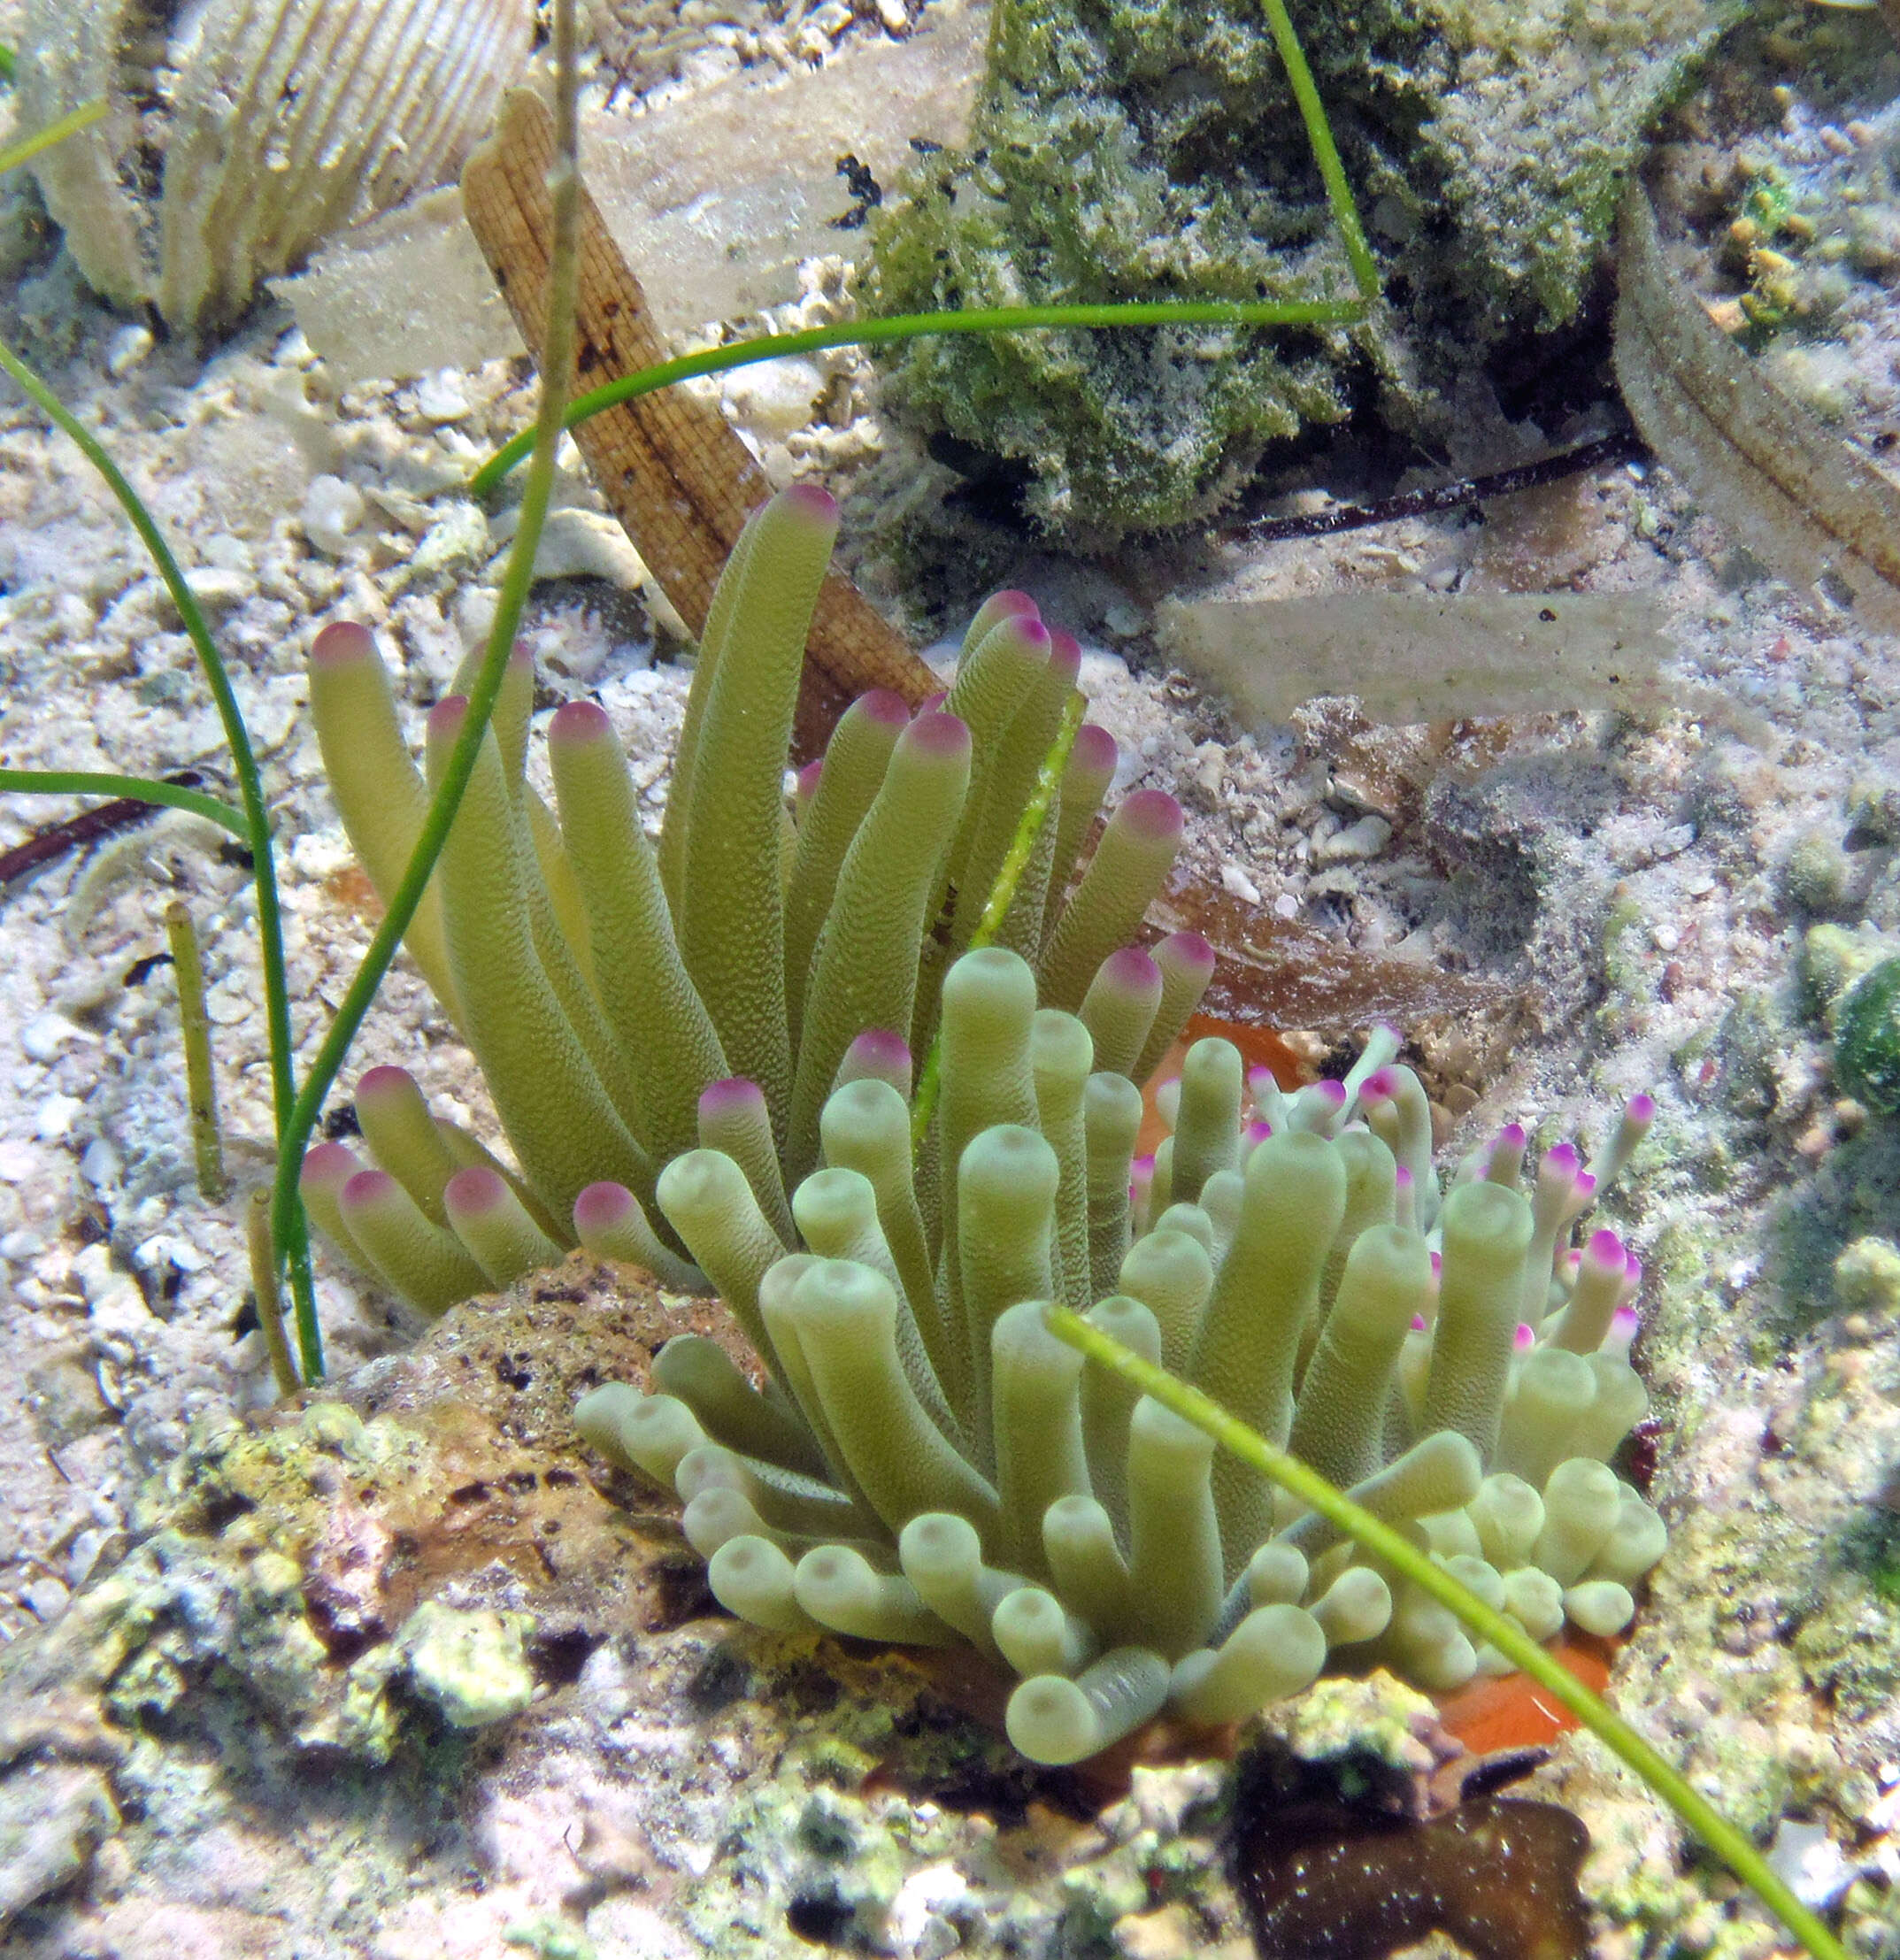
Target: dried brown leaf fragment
(1790, 489)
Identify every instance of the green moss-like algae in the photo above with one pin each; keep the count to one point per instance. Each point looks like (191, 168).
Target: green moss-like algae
(1866, 1054)
(1150, 149)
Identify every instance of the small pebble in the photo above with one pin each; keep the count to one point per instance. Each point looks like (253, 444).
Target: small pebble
(891, 12)
(18, 1161)
(1236, 884)
(84, 1556)
(101, 1165)
(588, 544)
(45, 1598)
(1809, 1864)
(456, 541)
(441, 397)
(1355, 842)
(45, 1035)
(227, 1004)
(320, 854)
(56, 1117)
(474, 612)
(217, 590)
(333, 509)
(775, 399)
(126, 350)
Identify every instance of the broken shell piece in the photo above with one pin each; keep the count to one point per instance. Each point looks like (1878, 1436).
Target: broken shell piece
(232, 147)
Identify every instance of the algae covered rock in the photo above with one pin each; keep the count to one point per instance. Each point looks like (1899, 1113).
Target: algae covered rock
(1150, 149)
(1866, 1051)
(470, 1665)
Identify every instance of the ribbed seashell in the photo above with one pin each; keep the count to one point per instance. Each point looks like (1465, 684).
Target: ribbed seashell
(240, 131)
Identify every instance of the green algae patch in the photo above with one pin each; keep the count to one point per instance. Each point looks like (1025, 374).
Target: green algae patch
(1866, 1276)
(1379, 1717)
(270, 1574)
(366, 1576)
(469, 1665)
(1132, 150)
(1866, 1051)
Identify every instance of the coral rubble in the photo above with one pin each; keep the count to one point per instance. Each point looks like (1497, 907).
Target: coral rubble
(1126, 151)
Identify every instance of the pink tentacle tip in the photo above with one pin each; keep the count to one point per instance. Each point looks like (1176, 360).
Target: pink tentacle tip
(880, 1045)
(1152, 814)
(366, 1189)
(386, 1079)
(1605, 1247)
(1332, 1092)
(812, 500)
(1584, 1186)
(1257, 1131)
(1438, 1267)
(1641, 1107)
(1096, 750)
(808, 776)
(580, 721)
(1132, 967)
(1404, 1179)
(341, 642)
(600, 1207)
(1381, 1085)
(1187, 950)
(883, 704)
(1632, 1272)
(1065, 654)
(731, 1091)
(1623, 1326)
(475, 1189)
(937, 734)
(931, 703)
(1525, 1339)
(1560, 1160)
(446, 718)
(328, 1163)
(1010, 599)
(1418, 1322)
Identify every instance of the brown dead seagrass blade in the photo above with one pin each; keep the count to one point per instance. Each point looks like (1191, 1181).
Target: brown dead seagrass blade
(1800, 499)
(679, 480)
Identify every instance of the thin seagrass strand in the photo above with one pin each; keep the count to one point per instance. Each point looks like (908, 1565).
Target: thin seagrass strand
(296, 1125)
(1382, 1542)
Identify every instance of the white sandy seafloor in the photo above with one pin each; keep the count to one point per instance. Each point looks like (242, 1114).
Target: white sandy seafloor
(1624, 876)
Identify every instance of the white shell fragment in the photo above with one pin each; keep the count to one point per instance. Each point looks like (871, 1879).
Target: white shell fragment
(256, 129)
